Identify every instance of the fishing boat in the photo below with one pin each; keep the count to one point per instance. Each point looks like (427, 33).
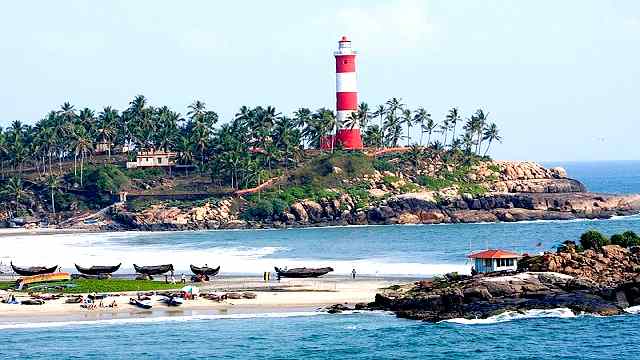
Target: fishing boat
(145, 304)
(172, 300)
(303, 272)
(33, 270)
(98, 269)
(33, 279)
(208, 271)
(153, 270)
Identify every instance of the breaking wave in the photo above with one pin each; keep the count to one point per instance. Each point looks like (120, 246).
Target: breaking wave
(514, 315)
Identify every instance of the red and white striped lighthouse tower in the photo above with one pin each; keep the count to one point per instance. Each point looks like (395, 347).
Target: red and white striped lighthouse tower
(346, 96)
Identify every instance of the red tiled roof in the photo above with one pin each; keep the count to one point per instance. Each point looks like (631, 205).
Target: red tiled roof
(494, 254)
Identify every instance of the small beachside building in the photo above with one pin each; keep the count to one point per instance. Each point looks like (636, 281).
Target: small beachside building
(494, 260)
(152, 159)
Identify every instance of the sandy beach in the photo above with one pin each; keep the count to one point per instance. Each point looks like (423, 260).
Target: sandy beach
(288, 295)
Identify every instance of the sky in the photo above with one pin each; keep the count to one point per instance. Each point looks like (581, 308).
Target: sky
(561, 79)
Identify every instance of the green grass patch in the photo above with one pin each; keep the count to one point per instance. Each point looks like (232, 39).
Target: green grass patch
(102, 286)
(433, 183)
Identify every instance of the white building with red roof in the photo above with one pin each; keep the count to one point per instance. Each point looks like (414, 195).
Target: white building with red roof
(495, 260)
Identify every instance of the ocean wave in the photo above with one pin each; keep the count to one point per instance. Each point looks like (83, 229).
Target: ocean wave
(158, 319)
(127, 248)
(514, 315)
(181, 318)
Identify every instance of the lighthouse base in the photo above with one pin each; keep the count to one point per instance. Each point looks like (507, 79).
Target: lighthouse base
(348, 139)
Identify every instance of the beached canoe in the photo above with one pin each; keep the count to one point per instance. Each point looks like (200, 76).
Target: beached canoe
(59, 276)
(33, 270)
(205, 270)
(303, 272)
(172, 301)
(145, 304)
(98, 269)
(153, 270)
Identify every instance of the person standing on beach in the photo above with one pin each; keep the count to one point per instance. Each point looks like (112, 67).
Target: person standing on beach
(353, 273)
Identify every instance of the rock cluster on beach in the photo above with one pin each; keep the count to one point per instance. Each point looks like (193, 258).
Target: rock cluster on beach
(603, 282)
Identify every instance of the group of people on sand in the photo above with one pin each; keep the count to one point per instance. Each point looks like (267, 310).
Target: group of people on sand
(90, 304)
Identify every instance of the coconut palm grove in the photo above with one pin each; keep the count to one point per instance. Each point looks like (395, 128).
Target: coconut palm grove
(75, 157)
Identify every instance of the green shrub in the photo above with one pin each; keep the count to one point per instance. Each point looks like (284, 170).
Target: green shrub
(626, 239)
(390, 179)
(494, 168)
(262, 210)
(279, 206)
(473, 189)
(383, 165)
(106, 178)
(146, 174)
(433, 183)
(593, 239)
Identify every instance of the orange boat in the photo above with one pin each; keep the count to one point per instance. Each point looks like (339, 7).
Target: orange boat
(59, 276)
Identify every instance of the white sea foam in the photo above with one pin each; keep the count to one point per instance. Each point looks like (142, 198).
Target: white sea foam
(633, 309)
(158, 319)
(513, 315)
(66, 250)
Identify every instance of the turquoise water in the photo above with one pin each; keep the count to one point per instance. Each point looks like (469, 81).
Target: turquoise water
(399, 250)
(357, 336)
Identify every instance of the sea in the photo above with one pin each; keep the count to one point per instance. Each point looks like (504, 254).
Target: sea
(400, 251)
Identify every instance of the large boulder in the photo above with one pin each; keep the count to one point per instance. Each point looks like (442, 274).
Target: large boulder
(298, 210)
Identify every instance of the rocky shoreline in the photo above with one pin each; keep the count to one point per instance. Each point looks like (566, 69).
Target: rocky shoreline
(603, 282)
(513, 191)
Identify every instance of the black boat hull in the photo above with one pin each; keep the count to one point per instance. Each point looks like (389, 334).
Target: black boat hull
(98, 270)
(204, 270)
(301, 273)
(153, 270)
(34, 270)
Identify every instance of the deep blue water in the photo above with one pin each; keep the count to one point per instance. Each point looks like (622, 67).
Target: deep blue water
(357, 336)
(382, 249)
(617, 177)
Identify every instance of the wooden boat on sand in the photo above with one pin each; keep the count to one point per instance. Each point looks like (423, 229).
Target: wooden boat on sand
(153, 270)
(208, 271)
(144, 304)
(303, 272)
(98, 269)
(33, 270)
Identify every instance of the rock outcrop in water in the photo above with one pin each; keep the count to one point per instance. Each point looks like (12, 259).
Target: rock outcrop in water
(603, 282)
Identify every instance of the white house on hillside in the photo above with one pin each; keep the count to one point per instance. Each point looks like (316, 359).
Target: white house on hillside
(153, 158)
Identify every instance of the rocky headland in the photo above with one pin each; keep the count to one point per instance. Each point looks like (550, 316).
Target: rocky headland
(602, 282)
(490, 192)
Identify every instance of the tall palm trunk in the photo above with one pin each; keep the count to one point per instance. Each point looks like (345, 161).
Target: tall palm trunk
(81, 167)
(53, 202)
(487, 149)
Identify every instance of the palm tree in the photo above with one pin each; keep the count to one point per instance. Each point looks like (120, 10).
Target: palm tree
(392, 130)
(421, 116)
(372, 136)
(380, 112)
(351, 121)
(83, 145)
(107, 120)
(16, 190)
(363, 114)
(54, 187)
(491, 133)
(480, 125)
(429, 127)
(444, 128)
(407, 119)
(394, 104)
(453, 117)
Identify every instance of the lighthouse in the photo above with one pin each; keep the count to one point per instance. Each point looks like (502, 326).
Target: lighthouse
(348, 135)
